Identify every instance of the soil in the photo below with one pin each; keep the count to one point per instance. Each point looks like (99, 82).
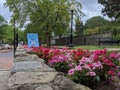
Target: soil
(115, 85)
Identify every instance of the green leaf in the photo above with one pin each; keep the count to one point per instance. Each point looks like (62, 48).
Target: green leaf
(98, 78)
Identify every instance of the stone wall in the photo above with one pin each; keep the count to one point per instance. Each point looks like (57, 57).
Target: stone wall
(31, 73)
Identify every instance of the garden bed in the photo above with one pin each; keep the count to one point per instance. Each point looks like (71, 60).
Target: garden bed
(97, 69)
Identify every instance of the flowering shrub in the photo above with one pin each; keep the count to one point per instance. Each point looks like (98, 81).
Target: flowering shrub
(61, 61)
(82, 66)
(78, 54)
(98, 66)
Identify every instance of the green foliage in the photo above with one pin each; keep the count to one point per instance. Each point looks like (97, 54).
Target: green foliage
(62, 67)
(105, 28)
(2, 21)
(96, 24)
(79, 27)
(45, 16)
(9, 36)
(3, 24)
(89, 81)
(111, 8)
(91, 31)
(116, 32)
(96, 21)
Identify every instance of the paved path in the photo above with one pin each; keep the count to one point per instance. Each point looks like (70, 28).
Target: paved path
(6, 59)
(6, 63)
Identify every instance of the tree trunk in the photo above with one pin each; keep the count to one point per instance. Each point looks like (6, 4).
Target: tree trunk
(48, 40)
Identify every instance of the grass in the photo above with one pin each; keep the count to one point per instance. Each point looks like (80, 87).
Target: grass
(96, 47)
(90, 47)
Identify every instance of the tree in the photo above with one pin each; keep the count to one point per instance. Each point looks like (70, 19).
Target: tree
(3, 24)
(2, 21)
(96, 21)
(115, 29)
(96, 24)
(79, 27)
(91, 31)
(45, 16)
(9, 36)
(111, 8)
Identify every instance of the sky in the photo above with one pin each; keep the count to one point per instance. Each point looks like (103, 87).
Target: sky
(90, 8)
(4, 11)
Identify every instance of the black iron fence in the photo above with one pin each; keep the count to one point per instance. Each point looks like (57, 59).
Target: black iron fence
(93, 39)
(108, 41)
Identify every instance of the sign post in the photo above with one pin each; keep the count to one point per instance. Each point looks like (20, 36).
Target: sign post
(33, 40)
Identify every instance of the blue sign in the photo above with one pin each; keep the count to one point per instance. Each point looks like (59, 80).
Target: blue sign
(33, 39)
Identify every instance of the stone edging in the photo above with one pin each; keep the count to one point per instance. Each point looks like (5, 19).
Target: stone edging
(31, 73)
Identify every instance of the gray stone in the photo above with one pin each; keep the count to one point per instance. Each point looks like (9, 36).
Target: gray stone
(31, 73)
(24, 87)
(30, 63)
(47, 69)
(44, 87)
(66, 84)
(26, 66)
(27, 58)
(21, 78)
(4, 77)
(20, 50)
(22, 53)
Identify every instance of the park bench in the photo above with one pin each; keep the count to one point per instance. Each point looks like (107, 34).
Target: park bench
(108, 41)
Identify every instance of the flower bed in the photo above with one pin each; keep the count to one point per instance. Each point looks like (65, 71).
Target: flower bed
(82, 66)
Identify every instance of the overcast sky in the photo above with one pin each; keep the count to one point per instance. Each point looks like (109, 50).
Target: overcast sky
(4, 11)
(90, 8)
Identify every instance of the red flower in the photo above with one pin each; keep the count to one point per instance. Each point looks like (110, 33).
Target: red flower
(106, 61)
(111, 64)
(95, 58)
(111, 72)
(90, 65)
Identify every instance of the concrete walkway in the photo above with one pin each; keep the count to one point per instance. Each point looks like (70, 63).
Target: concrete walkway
(6, 63)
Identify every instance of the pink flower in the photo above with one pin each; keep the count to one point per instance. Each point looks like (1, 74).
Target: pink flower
(79, 68)
(114, 55)
(71, 64)
(91, 73)
(119, 73)
(82, 61)
(117, 67)
(71, 72)
(52, 62)
(98, 64)
(119, 59)
(85, 60)
(86, 67)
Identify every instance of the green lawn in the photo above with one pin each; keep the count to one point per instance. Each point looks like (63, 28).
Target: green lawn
(95, 47)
